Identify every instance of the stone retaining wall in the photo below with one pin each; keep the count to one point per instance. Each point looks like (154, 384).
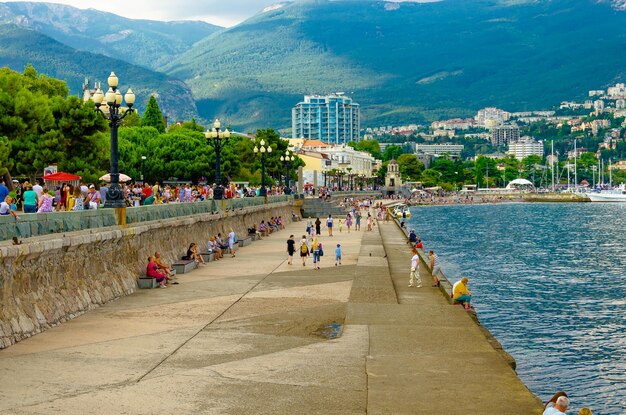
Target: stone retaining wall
(50, 279)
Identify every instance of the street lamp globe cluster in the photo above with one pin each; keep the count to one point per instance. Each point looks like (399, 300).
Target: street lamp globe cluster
(287, 159)
(114, 114)
(217, 139)
(263, 150)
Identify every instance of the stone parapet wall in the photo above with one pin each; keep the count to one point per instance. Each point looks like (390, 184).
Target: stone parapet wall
(50, 279)
(32, 225)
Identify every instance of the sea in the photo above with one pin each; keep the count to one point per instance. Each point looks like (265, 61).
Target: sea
(549, 281)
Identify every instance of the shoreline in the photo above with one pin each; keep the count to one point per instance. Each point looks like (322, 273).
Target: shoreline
(493, 199)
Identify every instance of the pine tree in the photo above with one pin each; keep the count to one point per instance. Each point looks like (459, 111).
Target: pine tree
(153, 117)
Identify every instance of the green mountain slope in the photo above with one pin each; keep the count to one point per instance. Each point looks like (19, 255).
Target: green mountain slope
(20, 47)
(142, 42)
(407, 61)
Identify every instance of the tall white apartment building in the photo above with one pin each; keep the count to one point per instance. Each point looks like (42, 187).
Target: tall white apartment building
(333, 119)
(524, 147)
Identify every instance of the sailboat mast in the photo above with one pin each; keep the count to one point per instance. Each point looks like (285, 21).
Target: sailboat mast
(575, 169)
(552, 165)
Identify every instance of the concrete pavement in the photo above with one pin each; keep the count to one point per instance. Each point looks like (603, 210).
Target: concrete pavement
(250, 335)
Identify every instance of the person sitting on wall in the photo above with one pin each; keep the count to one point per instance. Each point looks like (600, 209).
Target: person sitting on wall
(419, 244)
(412, 237)
(153, 271)
(460, 293)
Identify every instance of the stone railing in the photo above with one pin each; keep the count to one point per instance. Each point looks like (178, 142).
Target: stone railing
(49, 279)
(31, 225)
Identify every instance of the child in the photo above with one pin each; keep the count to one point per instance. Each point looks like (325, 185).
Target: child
(338, 255)
(340, 225)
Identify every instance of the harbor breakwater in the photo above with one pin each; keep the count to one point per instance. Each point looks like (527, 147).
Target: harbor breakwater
(47, 280)
(445, 286)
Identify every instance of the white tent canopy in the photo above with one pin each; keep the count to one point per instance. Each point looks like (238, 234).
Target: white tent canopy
(519, 183)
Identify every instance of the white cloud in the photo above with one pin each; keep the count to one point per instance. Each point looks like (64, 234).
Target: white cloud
(221, 12)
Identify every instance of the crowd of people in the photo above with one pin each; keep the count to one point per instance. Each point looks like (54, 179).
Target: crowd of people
(38, 198)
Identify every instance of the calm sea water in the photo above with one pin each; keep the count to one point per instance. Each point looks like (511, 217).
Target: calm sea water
(549, 281)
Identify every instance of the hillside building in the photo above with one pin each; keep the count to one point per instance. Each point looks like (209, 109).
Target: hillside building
(504, 135)
(491, 117)
(524, 147)
(453, 150)
(333, 119)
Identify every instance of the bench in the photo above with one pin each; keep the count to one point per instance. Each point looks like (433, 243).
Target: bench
(184, 265)
(207, 256)
(147, 282)
(245, 241)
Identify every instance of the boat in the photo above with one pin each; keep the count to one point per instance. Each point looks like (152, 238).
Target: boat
(612, 195)
(400, 210)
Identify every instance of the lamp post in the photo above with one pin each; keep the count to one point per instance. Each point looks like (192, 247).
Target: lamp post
(350, 184)
(287, 159)
(115, 115)
(143, 167)
(217, 139)
(262, 149)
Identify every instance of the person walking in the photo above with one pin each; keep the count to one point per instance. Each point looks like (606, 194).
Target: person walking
(434, 266)
(232, 239)
(329, 225)
(357, 225)
(349, 221)
(309, 227)
(291, 249)
(318, 226)
(316, 247)
(338, 255)
(414, 276)
(304, 250)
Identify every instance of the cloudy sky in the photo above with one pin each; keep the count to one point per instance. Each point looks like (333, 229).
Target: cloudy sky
(220, 12)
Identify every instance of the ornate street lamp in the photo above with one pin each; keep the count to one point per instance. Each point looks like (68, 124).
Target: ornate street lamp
(217, 140)
(115, 115)
(287, 159)
(262, 149)
(350, 185)
(143, 167)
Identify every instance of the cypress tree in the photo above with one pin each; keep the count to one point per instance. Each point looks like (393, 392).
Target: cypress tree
(153, 117)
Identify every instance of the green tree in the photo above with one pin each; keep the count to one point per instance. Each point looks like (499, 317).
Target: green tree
(369, 146)
(152, 116)
(410, 166)
(392, 153)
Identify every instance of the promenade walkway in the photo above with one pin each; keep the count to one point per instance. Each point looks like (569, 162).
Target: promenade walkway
(249, 335)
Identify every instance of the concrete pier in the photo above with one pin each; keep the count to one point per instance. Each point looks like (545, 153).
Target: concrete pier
(253, 334)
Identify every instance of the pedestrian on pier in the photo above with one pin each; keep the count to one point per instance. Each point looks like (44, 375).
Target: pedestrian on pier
(318, 226)
(291, 248)
(559, 408)
(329, 225)
(414, 276)
(338, 255)
(304, 250)
(434, 266)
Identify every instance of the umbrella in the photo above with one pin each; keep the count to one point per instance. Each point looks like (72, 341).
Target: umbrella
(61, 177)
(123, 178)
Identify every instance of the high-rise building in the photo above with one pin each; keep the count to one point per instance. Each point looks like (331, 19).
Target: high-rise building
(333, 119)
(504, 135)
(524, 147)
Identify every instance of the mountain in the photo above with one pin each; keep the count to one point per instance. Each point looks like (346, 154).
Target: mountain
(142, 42)
(20, 47)
(407, 61)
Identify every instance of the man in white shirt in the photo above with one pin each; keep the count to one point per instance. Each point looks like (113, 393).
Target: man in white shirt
(415, 270)
(38, 189)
